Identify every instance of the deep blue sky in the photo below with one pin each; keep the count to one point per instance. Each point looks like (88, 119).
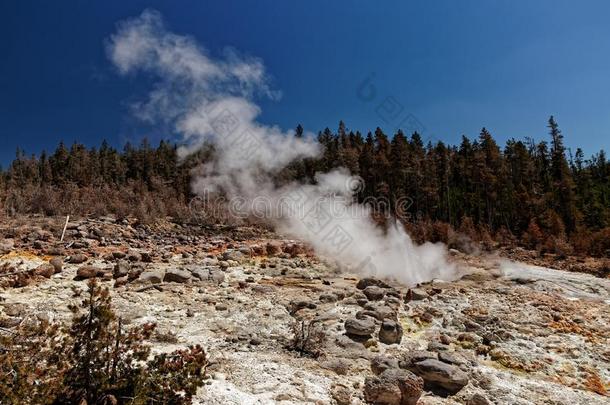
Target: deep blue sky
(454, 65)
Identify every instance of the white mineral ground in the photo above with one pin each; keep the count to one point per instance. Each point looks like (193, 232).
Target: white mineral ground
(523, 334)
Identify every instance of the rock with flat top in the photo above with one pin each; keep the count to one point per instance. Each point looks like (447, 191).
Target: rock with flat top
(360, 327)
(177, 276)
(438, 374)
(369, 281)
(374, 293)
(152, 276)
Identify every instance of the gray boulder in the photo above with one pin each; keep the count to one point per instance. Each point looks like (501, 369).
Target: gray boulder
(379, 312)
(360, 327)
(152, 276)
(177, 276)
(208, 274)
(374, 293)
(438, 374)
(232, 254)
(368, 281)
(409, 359)
(417, 294)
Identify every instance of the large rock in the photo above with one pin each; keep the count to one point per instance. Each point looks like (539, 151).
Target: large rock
(393, 387)
(452, 358)
(208, 274)
(368, 281)
(177, 276)
(328, 297)
(232, 254)
(294, 306)
(374, 293)
(86, 272)
(57, 263)
(438, 374)
(121, 269)
(360, 327)
(416, 294)
(77, 258)
(379, 312)
(45, 270)
(152, 276)
(409, 359)
(390, 332)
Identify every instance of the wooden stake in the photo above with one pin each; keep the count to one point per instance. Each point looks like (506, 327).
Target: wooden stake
(63, 233)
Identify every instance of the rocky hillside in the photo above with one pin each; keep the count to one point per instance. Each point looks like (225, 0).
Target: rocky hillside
(283, 326)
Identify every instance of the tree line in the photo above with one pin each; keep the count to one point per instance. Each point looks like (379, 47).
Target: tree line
(535, 194)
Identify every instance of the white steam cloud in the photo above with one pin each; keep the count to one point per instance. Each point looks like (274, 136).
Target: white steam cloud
(210, 100)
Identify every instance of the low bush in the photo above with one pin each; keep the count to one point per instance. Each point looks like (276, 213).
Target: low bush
(94, 361)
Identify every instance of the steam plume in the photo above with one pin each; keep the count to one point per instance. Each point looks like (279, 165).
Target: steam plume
(210, 100)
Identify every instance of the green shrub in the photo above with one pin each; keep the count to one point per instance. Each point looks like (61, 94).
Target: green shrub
(94, 361)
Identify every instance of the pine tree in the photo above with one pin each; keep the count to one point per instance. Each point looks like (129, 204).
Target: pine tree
(563, 184)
